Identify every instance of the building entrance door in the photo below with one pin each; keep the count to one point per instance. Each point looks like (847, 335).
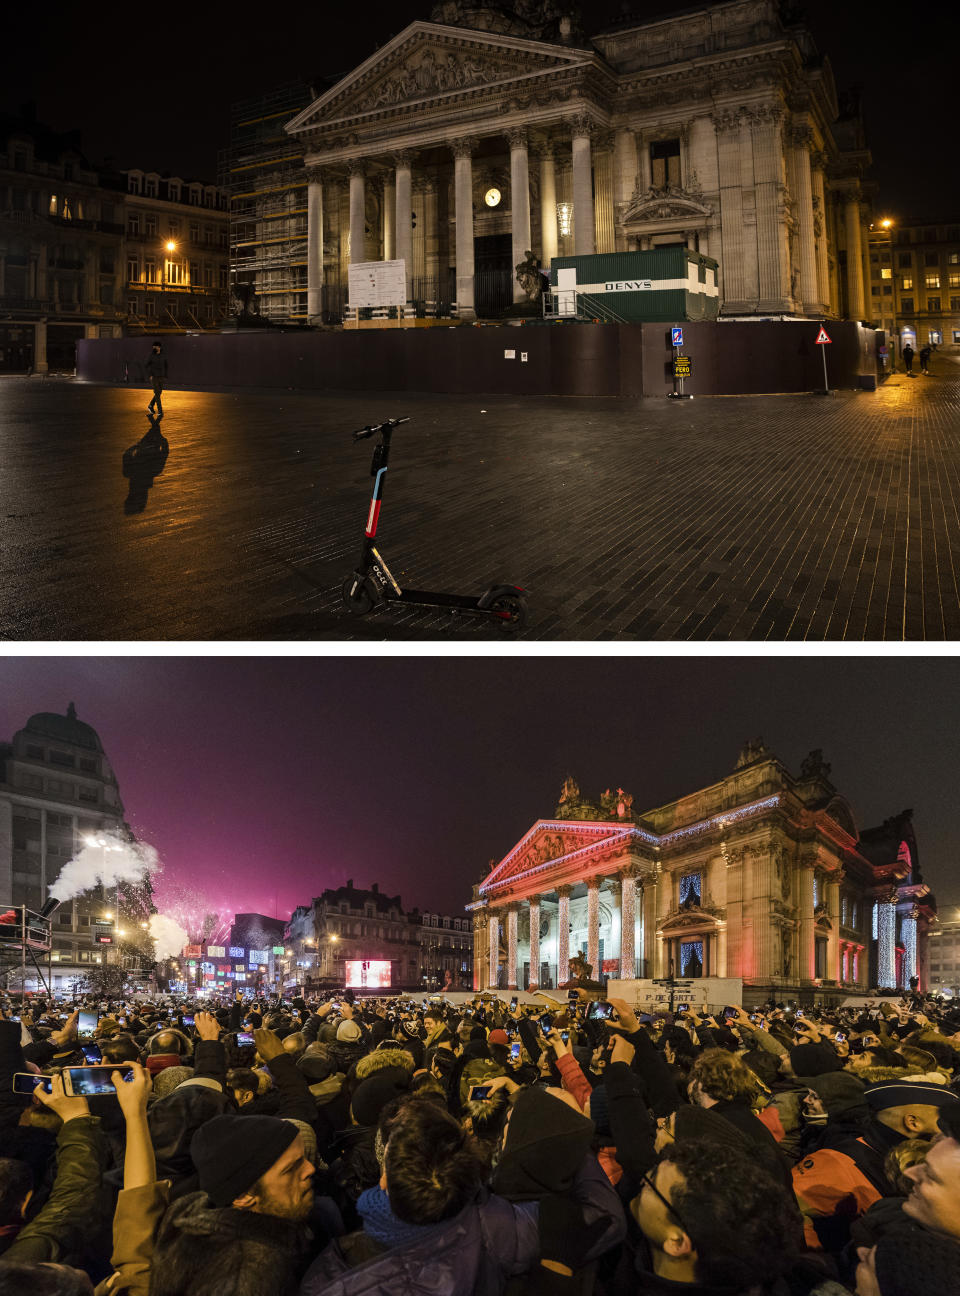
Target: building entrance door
(493, 274)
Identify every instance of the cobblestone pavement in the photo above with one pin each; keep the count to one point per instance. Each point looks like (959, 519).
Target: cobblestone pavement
(777, 517)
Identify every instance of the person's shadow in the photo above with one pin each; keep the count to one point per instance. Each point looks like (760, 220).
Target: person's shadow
(142, 463)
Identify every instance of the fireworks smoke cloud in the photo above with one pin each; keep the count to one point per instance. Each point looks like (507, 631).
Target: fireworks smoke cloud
(169, 937)
(106, 860)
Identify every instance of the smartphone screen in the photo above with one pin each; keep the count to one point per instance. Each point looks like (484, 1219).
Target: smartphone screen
(87, 1022)
(92, 1053)
(513, 1002)
(514, 1052)
(89, 1081)
(188, 1021)
(683, 1008)
(600, 1011)
(24, 1082)
(546, 1022)
(565, 1036)
(243, 1037)
(729, 1012)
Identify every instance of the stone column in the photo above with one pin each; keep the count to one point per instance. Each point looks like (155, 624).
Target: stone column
(389, 220)
(493, 949)
(358, 214)
(721, 969)
(314, 243)
(801, 142)
(833, 941)
(886, 945)
(628, 919)
(404, 234)
(534, 982)
(909, 930)
(649, 929)
(512, 947)
(593, 925)
(856, 303)
(808, 953)
(625, 178)
(519, 203)
(549, 242)
(463, 197)
(769, 178)
(584, 238)
(563, 934)
(726, 124)
(818, 164)
(603, 168)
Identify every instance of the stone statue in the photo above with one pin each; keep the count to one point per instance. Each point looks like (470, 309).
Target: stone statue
(753, 750)
(580, 969)
(571, 790)
(814, 766)
(529, 277)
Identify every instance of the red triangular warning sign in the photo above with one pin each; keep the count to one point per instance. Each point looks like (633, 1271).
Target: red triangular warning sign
(821, 336)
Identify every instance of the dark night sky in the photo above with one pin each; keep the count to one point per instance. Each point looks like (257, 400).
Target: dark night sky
(152, 86)
(263, 775)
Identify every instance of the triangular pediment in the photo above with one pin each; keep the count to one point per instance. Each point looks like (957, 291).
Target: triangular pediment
(547, 842)
(426, 63)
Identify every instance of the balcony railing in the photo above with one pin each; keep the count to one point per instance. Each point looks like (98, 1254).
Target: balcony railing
(25, 305)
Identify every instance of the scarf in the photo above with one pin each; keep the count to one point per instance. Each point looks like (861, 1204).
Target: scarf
(380, 1223)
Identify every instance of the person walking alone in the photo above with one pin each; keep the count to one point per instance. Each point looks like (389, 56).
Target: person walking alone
(156, 371)
(925, 359)
(908, 360)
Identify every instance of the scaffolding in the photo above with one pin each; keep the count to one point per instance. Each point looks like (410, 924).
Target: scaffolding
(263, 176)
(24, 934)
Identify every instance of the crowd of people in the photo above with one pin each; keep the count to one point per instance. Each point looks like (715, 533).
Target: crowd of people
(346, 1148)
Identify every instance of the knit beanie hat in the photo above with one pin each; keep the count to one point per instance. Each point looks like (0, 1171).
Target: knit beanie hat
(372, 1095)
(232, 1152)
(348, 1032)
(840, 1091)
(814, 1059)
(499, 1037)
(914, 1262)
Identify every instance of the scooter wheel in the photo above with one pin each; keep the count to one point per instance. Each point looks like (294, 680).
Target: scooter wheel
(511, 611)
(356, 597)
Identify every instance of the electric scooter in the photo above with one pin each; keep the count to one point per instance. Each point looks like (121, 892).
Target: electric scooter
(372, 583)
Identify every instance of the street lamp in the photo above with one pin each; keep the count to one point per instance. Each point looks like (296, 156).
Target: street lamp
(169, 246)
(887, 224)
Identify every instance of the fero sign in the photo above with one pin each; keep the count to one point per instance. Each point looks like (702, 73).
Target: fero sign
(681, 366)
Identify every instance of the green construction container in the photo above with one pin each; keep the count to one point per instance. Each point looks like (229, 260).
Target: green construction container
(665, 285)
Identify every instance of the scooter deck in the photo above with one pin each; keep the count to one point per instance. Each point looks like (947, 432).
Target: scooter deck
(434, 598)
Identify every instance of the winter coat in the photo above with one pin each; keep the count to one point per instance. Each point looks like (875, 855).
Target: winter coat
(197, 1241)
(135, 1224)
(76, 1209)
(173, 1121)
(156, 367)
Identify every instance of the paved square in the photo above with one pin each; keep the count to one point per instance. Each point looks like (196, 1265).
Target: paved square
(749, 518)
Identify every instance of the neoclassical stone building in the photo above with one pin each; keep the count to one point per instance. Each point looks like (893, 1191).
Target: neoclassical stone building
(762, 876)
(494, 129)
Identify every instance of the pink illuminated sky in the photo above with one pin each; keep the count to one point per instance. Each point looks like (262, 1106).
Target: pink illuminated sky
(261, 781)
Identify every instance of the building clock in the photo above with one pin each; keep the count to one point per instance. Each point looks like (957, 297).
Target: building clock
(492, 197)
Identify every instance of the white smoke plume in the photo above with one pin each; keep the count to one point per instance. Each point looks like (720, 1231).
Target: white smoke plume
(111, 860)
(168, 936)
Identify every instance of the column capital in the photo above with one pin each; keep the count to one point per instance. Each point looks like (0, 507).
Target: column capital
(764, 115)
(726, 120)
(564, 892)
(581, 126)
(465, 147)
(818, 159)
(314, 174)
(543, 147)
(402, 158)
(800, 136)
(518, 137)
(357, 167)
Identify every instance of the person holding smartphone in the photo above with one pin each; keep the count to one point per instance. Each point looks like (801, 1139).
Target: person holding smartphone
(71, 1214)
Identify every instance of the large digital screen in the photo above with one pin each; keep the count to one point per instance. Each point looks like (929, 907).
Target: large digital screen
(370, 973)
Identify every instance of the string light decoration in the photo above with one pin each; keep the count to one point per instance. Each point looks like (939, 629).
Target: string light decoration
(593, 926)
(628, 918)
(494, 934)
(910, 950)
(816, 890)
(874, 923)
(690, 888)
(565, 218)
(690, 951)
(887, 946)
(563, 937)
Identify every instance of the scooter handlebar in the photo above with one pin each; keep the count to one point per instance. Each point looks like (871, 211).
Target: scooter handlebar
(373, 429)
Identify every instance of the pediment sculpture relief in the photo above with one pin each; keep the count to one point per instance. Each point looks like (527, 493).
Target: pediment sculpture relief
(665, 203)
(436, 71)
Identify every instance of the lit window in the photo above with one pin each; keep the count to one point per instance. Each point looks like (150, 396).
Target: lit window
(886, 274)
(931, 280)
(906, 283)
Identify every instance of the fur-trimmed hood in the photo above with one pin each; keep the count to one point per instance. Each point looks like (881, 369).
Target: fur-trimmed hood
(249, 1254)
(384, 1059)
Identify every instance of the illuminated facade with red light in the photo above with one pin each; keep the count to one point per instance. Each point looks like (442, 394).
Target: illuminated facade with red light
(762, 876)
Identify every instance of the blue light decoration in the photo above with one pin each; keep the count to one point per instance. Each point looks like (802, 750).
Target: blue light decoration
(874, 922)
(691, 952)
(910, 950)
(690, 888)
(816, 890)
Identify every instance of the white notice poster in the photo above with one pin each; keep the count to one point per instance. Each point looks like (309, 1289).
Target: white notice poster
(377, 283)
